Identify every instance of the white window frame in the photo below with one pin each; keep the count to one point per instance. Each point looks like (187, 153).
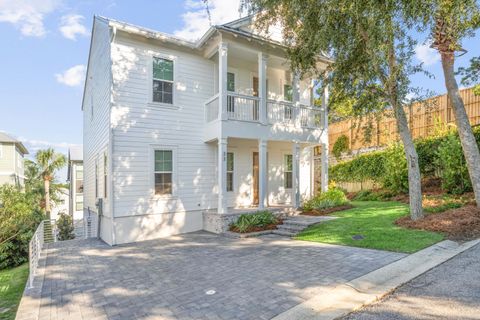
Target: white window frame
(286, 171)
(174, 149)
(174, 59)
(1, 150)
(233, 171)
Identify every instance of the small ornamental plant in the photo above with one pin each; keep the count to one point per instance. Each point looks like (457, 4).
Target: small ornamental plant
(65, 227)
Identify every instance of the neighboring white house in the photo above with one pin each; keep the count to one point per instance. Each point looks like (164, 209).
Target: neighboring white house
(177, 134)
(62, 206)
(75, 177)
(12, 153)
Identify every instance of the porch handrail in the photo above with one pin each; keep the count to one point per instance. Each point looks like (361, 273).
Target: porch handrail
(243, 96)
(209, 100)
(35, 248)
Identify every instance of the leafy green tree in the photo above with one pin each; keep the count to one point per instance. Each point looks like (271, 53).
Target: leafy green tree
(19, 217)
(372, 54)
(451, 21)
(49, 162)
(35, 186)
(471, 75)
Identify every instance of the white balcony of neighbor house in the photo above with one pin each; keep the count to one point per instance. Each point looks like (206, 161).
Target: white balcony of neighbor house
(257, 95)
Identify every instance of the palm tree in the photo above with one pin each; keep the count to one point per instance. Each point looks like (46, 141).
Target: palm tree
(49, 162)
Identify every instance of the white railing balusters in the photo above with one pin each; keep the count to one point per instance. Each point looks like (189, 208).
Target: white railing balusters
(242, 107)
(34, 251)
(246, 108)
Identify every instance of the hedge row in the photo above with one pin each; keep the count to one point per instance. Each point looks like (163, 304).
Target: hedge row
(439, 156)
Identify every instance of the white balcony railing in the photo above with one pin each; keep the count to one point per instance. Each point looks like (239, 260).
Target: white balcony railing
(247, 108)
(242, 107)
(211, 109)
(287, 113)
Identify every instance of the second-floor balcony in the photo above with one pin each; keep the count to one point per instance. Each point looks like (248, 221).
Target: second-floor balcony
(241, 107)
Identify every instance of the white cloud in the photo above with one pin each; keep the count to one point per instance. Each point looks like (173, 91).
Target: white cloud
(42, 144)
(27, 15)
(195, 20)
(71, 26)
(72, 77)
(428, 56)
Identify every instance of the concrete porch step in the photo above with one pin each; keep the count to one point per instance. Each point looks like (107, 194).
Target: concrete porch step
(284, 233)
(291, 227)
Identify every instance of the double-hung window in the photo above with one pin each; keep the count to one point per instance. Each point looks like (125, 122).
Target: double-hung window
(230, 168)
(288, 96)
(162, 80)
(163, 172)
(287, 174)
(231, 88)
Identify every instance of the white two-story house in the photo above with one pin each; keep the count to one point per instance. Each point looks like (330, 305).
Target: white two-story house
(182, 136)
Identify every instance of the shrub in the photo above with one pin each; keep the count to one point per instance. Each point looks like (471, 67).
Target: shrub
(332, 198)
(258, 219)
(340, 146)
(19, 217)
(65, 227)
(388, 167)
(395, 177)
(369, 166)
(373, 195)
(452, 167)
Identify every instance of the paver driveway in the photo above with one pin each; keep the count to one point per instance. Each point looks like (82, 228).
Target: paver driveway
(168, 278)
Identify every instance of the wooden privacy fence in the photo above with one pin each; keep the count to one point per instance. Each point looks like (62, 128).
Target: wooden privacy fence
(423, 117)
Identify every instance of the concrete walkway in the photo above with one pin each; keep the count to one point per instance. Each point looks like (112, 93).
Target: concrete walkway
(194, 276)
(449, 291)
(368, 288)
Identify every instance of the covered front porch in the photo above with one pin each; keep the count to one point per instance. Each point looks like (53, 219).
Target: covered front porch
(255, 174)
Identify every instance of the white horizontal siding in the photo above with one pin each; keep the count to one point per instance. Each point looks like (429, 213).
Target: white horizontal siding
(96, 114)
(138, 124)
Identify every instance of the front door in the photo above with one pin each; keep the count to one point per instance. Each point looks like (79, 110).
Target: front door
(255, 178)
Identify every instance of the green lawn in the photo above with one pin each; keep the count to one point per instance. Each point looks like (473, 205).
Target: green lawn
(12, 283)
(375, 222)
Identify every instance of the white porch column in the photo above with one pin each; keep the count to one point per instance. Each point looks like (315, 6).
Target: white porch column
(262, 174)
(222, 175)
(262, 87)
(296, 174)
(324, 142)
(222, 80)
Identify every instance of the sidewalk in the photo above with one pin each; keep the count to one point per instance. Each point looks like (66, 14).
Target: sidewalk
(371, 287)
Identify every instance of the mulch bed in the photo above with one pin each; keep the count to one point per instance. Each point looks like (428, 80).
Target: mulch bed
(272, 226)
(457, 224)
(326, 212)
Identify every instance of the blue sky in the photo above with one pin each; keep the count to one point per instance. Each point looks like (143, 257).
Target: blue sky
(45, 50)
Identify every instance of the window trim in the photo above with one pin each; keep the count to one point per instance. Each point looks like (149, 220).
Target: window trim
(174, 149)
(1, 150)
(174, 59)
(287, 171)
(232, 172)
(75, 180)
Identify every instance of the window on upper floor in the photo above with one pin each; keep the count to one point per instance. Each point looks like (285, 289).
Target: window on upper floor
(163, 171)
(231, 81)
(287, 92)
(79, 180)
(162, 80)
(1, 151)
(288, 172)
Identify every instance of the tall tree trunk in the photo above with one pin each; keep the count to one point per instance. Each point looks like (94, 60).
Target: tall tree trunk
(414, 178)
(47, 197)
(469, 144)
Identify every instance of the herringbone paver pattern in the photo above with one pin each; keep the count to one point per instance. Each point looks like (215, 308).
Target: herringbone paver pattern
(168, 278)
